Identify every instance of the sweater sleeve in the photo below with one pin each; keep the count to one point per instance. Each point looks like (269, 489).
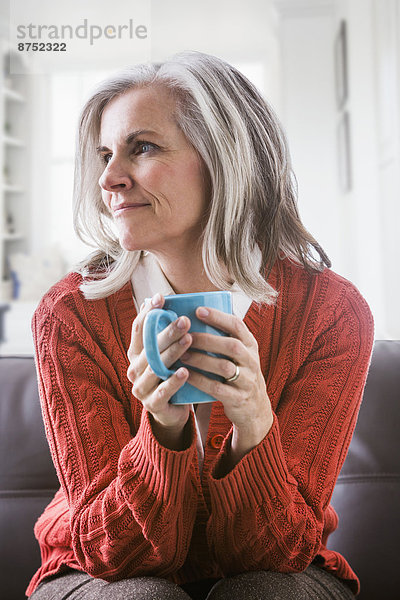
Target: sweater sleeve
(132, 502)
(271, 508)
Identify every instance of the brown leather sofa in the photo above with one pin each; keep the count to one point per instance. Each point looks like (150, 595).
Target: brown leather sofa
(367, 495)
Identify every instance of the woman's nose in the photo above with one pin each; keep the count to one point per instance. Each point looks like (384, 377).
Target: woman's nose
(115, 177)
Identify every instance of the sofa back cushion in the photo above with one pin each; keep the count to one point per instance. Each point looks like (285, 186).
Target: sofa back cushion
(367, 494)
(27, 477)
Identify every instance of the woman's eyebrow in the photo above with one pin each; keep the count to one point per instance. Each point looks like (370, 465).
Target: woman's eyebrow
(129, 138)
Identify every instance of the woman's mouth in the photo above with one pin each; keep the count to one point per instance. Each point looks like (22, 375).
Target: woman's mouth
(121, 208)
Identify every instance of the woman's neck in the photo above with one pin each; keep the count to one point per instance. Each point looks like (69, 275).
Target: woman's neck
(185, 273)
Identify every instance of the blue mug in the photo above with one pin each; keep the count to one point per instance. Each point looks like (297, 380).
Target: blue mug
(159, 318)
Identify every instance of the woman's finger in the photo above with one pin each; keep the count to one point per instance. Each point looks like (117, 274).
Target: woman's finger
(229, 347)
(173, 333)
(143, 378)
(226, 322)
(172, 342)
(224, 392)
(157, 402)
(170, 334)
(168, 419)
(136, 345)
(219, 366)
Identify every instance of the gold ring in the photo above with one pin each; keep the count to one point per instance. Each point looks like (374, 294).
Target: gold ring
(235, 376)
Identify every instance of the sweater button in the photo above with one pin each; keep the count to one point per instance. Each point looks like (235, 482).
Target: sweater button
(217, 441)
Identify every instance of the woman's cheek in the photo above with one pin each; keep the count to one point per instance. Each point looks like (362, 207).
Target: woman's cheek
(106, 197)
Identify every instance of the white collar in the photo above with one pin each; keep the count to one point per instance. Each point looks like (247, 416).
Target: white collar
(148, 279)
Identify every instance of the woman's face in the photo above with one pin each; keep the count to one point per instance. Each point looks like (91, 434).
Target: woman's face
(154, 182)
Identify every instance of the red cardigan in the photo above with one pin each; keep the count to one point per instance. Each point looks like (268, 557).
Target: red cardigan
(129, 507)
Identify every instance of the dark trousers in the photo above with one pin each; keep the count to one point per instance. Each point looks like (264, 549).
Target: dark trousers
(312, 584)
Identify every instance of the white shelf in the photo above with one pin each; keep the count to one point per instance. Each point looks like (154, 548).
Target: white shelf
(12, 95)
(14, 178)
(9, 188)
(12, 237)
(14, 142)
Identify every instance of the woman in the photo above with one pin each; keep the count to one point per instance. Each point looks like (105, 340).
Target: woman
(183, 182)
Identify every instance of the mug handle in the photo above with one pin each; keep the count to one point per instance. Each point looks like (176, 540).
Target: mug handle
(156, 320)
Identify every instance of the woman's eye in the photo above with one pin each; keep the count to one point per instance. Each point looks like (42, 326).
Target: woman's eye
(144, 147)
(140, 148)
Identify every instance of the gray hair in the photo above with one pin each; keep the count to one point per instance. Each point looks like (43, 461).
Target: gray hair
(253, 189)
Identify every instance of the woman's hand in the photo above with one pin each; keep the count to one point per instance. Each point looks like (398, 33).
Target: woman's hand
(168, 420)
(246, 402)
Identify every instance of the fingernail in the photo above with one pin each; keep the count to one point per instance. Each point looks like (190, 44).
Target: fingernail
(156, 299)
(203, 312)
(185, 340)
(181, 373)
(180, 323)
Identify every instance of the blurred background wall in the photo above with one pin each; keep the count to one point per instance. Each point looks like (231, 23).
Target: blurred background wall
(331, 70)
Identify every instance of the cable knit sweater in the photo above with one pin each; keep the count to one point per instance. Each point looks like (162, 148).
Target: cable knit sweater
(129, 507)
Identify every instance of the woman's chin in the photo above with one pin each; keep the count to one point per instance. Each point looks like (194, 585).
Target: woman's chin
(130, 243)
